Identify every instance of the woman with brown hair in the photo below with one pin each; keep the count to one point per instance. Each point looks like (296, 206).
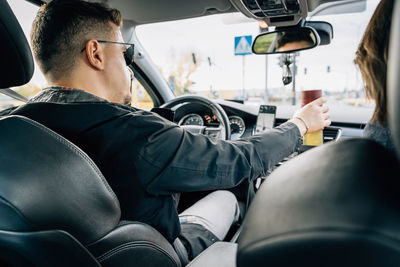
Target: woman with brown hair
(371, 59)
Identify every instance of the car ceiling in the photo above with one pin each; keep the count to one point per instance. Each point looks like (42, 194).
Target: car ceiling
(143, 12)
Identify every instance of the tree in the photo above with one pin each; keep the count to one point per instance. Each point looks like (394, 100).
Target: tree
(183, 65)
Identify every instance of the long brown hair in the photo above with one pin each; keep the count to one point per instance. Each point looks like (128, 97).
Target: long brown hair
(371, 58)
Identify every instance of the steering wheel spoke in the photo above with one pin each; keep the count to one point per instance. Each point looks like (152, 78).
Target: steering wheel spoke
(194, 128)
(214, 131)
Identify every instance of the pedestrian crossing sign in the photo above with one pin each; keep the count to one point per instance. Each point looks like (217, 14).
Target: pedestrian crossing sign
(243, 45)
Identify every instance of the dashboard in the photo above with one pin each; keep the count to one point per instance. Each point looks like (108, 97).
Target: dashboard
(243, 120)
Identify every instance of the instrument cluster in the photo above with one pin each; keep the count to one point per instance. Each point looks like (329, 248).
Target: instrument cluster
(237, 124)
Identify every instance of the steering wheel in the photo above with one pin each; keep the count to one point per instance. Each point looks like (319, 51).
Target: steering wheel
(224, 129)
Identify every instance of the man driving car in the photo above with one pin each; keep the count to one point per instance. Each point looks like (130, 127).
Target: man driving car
(145, 158)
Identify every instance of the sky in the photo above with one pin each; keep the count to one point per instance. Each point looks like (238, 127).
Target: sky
(213, 36)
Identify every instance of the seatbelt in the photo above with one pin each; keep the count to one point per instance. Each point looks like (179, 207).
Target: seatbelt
(13, 94)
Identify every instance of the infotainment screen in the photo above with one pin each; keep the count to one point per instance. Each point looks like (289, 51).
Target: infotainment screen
(266, 118)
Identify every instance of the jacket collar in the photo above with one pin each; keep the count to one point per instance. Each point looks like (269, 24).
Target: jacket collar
(59, 94)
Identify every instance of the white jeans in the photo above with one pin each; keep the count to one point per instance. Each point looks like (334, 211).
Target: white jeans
(216, 212)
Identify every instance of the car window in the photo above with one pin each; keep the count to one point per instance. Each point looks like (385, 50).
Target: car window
(140, 97)
(197, 56)
(25, 13)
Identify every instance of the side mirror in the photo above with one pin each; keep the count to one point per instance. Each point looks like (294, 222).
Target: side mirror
(286, 40)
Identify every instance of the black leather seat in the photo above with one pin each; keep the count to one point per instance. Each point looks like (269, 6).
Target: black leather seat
(56, 209)
(336, 205)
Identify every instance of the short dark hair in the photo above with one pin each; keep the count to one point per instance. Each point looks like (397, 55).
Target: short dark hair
(62, 28)
(372, 55)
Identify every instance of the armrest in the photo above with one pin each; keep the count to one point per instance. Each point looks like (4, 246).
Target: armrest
(221, 254)
(134, 244)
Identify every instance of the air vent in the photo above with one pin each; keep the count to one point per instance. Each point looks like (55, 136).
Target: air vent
(331, 134)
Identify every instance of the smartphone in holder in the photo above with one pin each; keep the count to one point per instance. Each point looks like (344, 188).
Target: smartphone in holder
(265, 119)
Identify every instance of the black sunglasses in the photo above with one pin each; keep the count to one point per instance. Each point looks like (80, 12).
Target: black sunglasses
(128, 53)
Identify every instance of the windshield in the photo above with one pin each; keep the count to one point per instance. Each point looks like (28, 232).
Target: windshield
(196, 56)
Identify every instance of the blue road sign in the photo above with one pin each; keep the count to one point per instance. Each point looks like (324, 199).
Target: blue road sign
(171, 81)
(243, 45)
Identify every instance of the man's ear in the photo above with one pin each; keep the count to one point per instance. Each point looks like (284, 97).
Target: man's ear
(95, 54)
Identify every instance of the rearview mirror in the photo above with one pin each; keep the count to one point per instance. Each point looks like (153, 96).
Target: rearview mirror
(286, 40)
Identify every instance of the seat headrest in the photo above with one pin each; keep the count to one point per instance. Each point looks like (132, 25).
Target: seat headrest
(393, 81)
(46, 182)
(336, 205)
(16, 65)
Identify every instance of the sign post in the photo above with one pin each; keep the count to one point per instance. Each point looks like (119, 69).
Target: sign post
(242, 48)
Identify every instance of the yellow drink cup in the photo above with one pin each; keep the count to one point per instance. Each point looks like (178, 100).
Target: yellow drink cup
(315, 138)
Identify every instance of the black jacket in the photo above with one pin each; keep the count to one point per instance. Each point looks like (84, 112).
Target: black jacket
(146, 158)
